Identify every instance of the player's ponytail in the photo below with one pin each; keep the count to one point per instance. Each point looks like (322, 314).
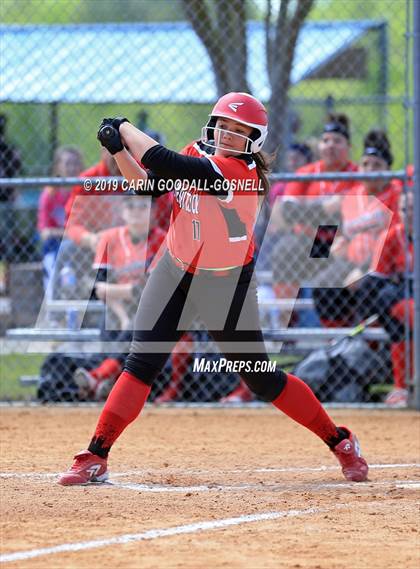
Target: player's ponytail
(263, 162)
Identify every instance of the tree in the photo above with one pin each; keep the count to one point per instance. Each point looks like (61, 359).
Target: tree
(221, 26)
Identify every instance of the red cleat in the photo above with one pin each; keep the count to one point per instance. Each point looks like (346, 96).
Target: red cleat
(353, 465)
(87, 467)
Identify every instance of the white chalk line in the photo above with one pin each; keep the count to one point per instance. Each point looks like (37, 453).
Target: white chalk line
(290, 487)
(165, 532)
(408, 485)
(198, 472)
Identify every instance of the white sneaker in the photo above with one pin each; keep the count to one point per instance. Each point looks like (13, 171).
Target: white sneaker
(102, 389)
(85, 382)
(398, 398)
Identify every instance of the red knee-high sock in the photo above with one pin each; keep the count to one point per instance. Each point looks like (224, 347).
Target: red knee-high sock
(124, 403)
(109, 368)
(398, 364)
(298, 401)
(179, 367)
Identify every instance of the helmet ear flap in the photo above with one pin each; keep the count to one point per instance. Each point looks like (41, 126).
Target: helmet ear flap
(255, 134)
(209, 129)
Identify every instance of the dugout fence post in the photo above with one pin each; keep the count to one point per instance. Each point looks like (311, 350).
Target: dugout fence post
(416, 236)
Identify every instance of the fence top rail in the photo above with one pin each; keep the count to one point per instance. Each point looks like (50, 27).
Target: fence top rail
(275, 177)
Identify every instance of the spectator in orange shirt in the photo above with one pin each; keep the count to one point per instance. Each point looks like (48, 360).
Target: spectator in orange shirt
(306, 205)
(87, 214)
(298, 154)
(384, 292)
(122, 260)
(87, 217)
(363, 219)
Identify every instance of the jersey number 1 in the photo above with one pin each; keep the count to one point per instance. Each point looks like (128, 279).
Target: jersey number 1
(196, 230)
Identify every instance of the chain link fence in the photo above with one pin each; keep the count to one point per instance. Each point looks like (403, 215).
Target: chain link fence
(334, 248)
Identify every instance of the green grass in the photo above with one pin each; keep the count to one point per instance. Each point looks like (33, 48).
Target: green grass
(364, 117)
(12, 366)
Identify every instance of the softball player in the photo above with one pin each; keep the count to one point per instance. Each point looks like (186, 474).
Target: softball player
(207, 271)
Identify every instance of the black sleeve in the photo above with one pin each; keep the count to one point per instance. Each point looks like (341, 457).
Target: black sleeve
(152, 186)
(169, 165)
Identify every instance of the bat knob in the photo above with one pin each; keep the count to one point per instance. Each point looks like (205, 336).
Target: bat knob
(107, 132)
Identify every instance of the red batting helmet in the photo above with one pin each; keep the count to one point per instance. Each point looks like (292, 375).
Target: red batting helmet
(242, 108)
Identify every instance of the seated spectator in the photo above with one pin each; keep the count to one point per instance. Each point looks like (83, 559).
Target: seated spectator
(307, 205)
(67, 162)
(298, 155)
(363, 219)
(270, 224)
(122, 258)
(384, 292)
(87, 214)
(86, 218)
(122, 261)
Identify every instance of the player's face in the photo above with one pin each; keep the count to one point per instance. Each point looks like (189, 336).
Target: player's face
(334, 150)
(371, 163)
(295, 160)
(230, 137)
(69, 165)
(135, 214)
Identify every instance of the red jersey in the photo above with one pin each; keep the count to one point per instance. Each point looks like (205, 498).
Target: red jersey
(317, 190)
(127, 258)
(161, 211)
(90, 214)
(51, 209)
(208, 231)
(390, 254)
(364, 218)
(322, 188)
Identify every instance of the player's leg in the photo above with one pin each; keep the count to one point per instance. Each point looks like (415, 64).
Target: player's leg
(148, 353)
(288, 393)
(395, 322)
(180, 360)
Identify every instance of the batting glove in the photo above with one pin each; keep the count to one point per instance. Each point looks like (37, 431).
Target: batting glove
(109, 136)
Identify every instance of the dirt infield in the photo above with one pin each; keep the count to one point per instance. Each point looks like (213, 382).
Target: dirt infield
(220, 487)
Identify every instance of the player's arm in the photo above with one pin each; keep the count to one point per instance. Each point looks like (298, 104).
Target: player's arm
(145, 183)
(164, 163)
(114, 291)
(129, 168)
(136, 140)
(171, 165)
